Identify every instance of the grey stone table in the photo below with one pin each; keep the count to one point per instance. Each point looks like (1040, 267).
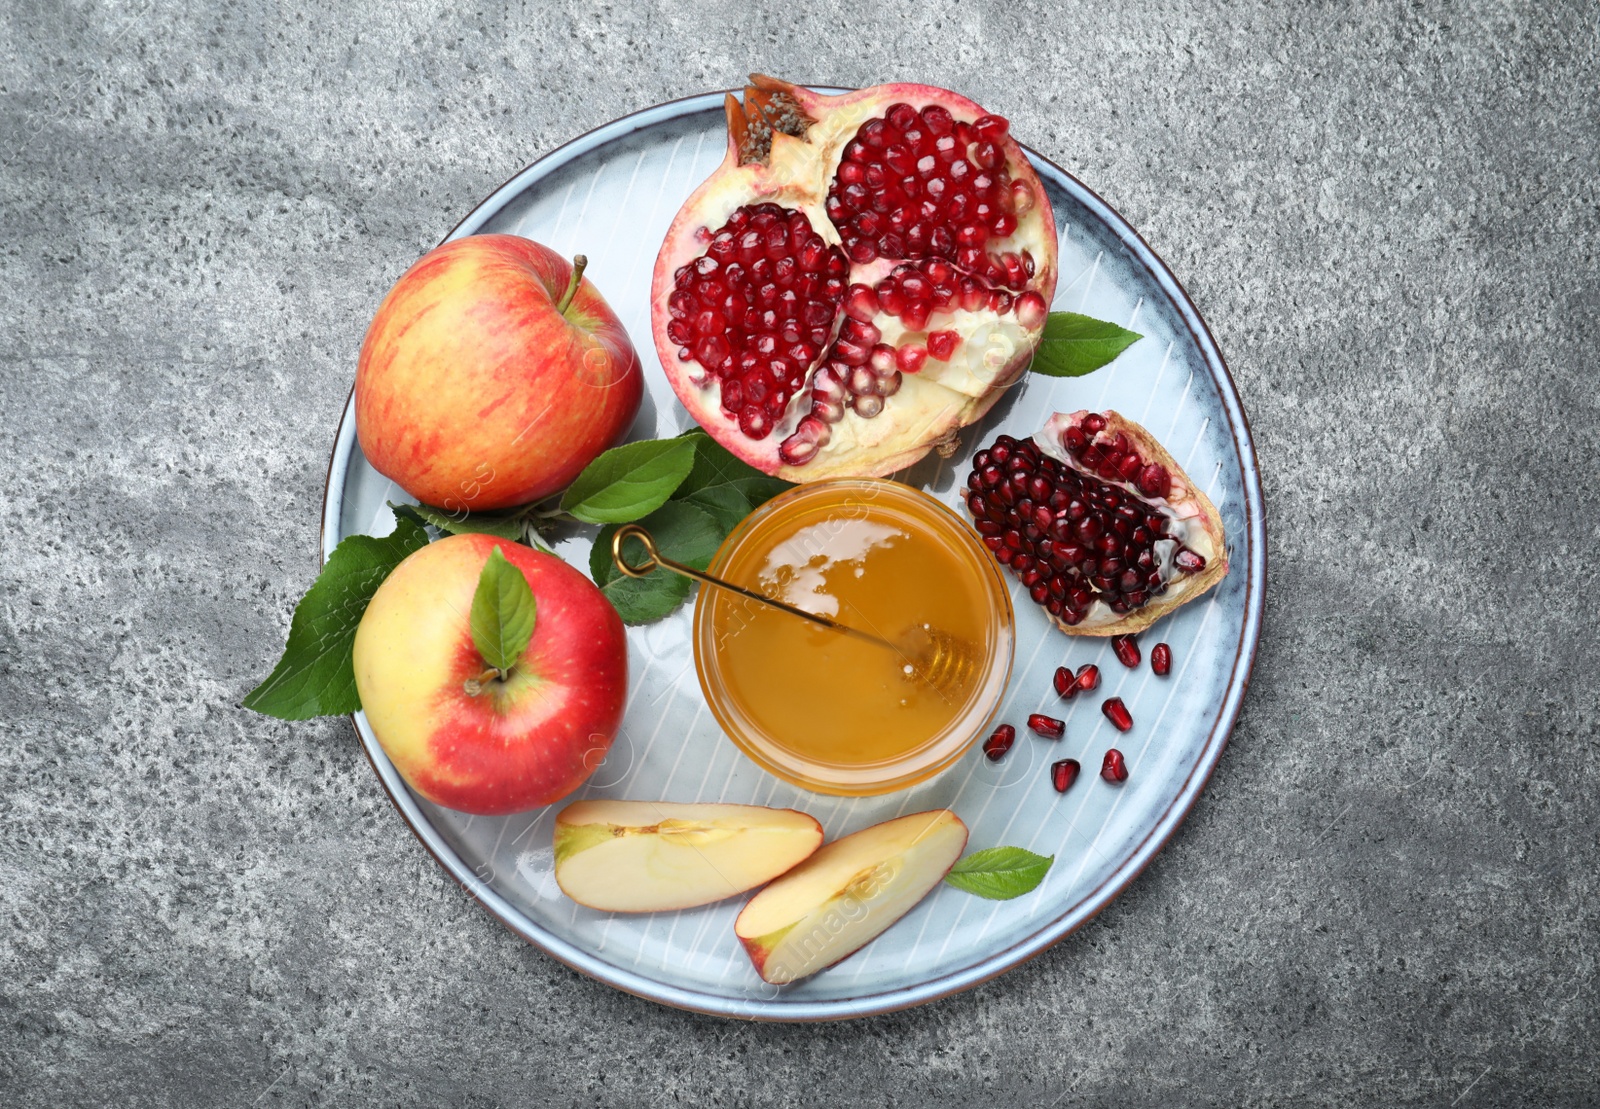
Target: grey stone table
(1387, 895)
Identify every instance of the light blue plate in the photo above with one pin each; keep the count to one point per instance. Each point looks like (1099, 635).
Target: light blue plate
(611, 195)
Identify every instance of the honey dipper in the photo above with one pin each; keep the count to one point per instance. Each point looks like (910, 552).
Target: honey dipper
(933, 657)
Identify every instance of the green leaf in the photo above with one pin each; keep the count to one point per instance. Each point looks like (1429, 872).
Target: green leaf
(630, 481)
(1000, 873)
(725, 504)
(725, 487)
(502, 613)
(472, 523)
(716, 469)
(1075, 345)
(408, 512)
(717, 493)
(315, 676)
(645, 600)
(683, 532)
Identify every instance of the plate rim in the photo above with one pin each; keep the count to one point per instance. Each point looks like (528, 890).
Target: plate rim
(990, 966)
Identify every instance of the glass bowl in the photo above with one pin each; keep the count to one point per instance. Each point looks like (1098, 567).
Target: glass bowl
(823, 513)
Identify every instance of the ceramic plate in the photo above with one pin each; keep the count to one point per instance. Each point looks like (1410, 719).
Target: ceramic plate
(611, 195)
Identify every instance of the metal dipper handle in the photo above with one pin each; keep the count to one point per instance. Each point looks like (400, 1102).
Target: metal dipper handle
(932, 656)
(654, 558)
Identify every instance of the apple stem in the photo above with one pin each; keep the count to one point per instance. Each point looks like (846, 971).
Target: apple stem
(474, 686)
(579, 262)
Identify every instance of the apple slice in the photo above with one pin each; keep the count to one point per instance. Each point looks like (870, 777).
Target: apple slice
(847, 894)
(646, 856)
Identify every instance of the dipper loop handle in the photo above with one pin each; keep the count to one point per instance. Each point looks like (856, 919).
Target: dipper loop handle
(654, 558)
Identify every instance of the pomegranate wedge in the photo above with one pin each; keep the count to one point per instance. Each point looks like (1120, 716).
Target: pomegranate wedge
(858, 280)
(1098, 522)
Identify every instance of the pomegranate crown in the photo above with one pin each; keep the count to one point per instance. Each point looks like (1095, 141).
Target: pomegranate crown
(769, 106)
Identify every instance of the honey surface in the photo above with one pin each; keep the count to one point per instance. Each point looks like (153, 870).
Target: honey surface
(828, 697)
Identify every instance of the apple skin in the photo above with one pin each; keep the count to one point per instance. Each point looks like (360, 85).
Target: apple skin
(474, 393)
(519, 744)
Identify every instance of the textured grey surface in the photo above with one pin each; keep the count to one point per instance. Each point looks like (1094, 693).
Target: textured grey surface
(1389, 215)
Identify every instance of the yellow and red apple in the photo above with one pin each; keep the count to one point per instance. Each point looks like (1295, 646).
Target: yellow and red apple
(492, 375)
(513, 741)
(650, 856)
(847, 894)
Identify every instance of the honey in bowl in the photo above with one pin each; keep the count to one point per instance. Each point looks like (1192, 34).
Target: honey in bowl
(838, 713)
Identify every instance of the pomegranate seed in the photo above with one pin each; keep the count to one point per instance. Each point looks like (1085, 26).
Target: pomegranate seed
(1064, 773)
(1066, 685)
(1047, 726)
(1117, 713)
(1154, 481)
(910, 359)
(1188, 561)
(942, 344)
(754, 421)
(1031, 310)
(1114, 768)
(1127, 650)
(1089, 677)
(990, 128)
(937, 120)
(810, 436)
(986, 155)
(998, 743)
(851, 354)
(861, 303)
(1161, 659)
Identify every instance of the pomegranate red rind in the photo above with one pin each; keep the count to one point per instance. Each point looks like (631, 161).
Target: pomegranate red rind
(870, 336)
(1098, 522)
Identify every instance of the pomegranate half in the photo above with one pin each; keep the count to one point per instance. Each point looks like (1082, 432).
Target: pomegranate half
(1098, 523)
(857, 281)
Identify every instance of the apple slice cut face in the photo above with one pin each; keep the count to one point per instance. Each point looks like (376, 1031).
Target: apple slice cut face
(649, 856)
(847, 894)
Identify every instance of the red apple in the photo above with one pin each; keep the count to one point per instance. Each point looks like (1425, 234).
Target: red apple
(492, 746)
(484, 383)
